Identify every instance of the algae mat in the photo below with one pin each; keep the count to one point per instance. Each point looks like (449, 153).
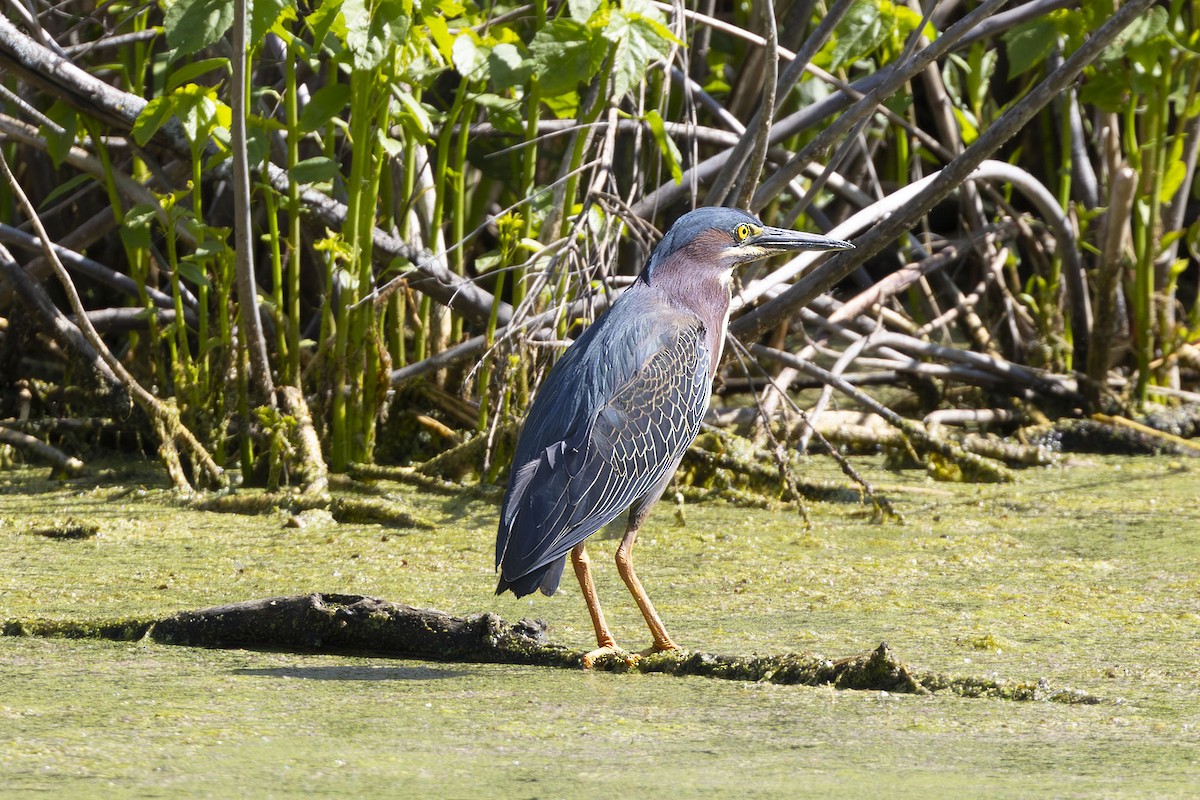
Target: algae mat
(1087, 576)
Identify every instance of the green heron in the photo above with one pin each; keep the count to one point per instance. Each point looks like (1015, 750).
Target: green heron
(616, 413)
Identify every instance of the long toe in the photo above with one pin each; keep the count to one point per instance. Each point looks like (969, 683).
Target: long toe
(667, 647)
(609, 652)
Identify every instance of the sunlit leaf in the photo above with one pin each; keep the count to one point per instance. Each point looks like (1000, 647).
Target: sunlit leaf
(324, 19)
(372, 30)
(639, 40)
(187, 73)
(859, 34)
(1172, 180)
(565, 54)
(439, 31)
(391, 147)
(263, 14)
(966, 125)
(666, 145)
(583, 10)
(468, 55)
(152, 117)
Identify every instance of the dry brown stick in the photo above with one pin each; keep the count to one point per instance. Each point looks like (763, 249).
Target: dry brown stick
(253, 339)
(71, 247)
(1112, 254)
(31, 444)
(165, 417)
(985, 468)
(58, 326)
(1178, 441)
(948, 179)
(891, 285)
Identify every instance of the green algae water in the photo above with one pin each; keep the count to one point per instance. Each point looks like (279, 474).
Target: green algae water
(1087, 576)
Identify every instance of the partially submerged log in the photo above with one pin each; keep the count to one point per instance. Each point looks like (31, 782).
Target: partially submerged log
(353, 624)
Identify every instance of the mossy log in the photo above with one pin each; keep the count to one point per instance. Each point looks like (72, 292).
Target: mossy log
(364, 625)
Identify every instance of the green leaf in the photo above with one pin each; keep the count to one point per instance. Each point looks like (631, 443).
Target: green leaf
(314, 170)
(1030, 44)
(507, 67)
(563, 106)
(263, 14)
(188, 73)
(192, 25)
(258, 140)
(859, 34)
(1176, 172)
(210, 246)
(666, 145)
(141, 215)
(137, 238)
(1144, 40)
(489, 261)
(469, 56)
(966, 125)
(439, 31)
(323, 19)
(639, 40)
(503, 112)
(192, 273)
(582, 10)
(58, 145)
(65, 188)
(371, 32)
(391, 147)
(200, 112)
(152, 117)
(1108, 90)
(325, 104)
(566, 53)
(414, 117)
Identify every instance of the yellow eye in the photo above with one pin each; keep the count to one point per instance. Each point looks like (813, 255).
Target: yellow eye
(742, 232)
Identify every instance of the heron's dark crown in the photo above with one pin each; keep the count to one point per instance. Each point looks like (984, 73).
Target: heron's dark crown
(708, 230)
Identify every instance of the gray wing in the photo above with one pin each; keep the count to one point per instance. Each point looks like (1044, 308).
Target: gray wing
(574, 486)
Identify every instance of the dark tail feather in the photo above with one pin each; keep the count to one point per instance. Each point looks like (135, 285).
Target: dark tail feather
(545, 578)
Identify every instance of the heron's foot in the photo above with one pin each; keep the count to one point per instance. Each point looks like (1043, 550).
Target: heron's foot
(610, 652)
(661, 647)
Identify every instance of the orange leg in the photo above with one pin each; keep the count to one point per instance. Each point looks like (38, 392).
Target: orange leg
(662, 641)
(605, 643)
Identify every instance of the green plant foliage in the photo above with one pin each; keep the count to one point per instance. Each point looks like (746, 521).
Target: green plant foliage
(192, 25)
(325, 105)
(638, 38)
(372, 28)
(870, 28)
(1029, 45)
(493, 158)
(565, 54)
(59, 144)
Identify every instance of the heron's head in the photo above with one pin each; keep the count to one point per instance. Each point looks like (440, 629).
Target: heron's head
(718, 239)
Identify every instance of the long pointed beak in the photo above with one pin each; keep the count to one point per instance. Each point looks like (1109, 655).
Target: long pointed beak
(779, 240)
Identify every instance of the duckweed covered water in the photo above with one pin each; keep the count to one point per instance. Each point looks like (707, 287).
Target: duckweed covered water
(1088, 577)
